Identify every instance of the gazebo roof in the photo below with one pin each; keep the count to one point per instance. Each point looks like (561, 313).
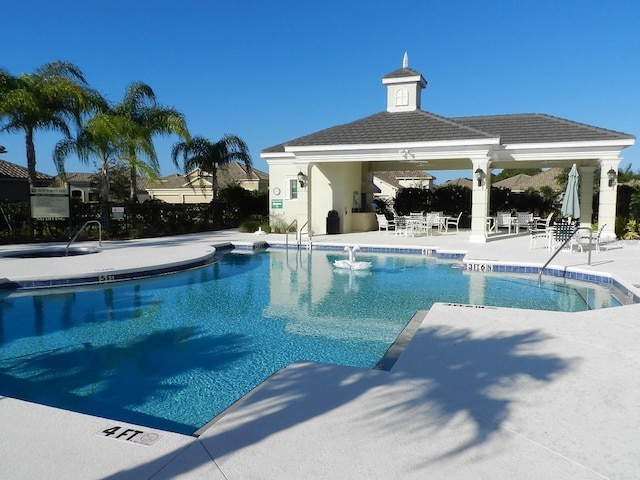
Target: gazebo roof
(389, 127)
(538, 128)
(421, 126)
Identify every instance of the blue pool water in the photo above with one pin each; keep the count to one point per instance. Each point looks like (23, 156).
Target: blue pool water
(174, 351)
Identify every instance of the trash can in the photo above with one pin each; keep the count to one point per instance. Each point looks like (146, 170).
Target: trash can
(333, 222)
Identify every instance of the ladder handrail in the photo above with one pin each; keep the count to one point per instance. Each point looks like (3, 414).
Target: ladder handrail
(562, 246)
(286, 232)
(66, 253)
(299, 233)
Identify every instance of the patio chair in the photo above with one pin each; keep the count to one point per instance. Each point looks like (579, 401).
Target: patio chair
(452, 222)
(384, 223)
(523, 219)
(402, 226)
(503, 220)
(592, 243)
(563, 231)
(539, 229)
(436, 219)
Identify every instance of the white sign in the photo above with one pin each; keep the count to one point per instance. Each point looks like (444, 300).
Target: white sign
(49, 203)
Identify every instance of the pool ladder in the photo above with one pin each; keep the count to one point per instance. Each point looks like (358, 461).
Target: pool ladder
(299, 234)
(66, 252)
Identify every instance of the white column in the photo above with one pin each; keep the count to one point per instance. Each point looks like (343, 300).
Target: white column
(586, 195)
(480, 199)
(608, 198)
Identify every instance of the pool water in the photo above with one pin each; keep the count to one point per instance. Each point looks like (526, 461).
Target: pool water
(174, 351)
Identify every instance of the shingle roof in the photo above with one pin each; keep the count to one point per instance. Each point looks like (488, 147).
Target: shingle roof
(538, 128)
(403, 72)
(516, 182)
(387, 127)
(421, 126)
(11, 170)
(461, 182)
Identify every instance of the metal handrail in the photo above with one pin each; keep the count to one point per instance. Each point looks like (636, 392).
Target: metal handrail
(299, 234)
(66, 252)
(562, 246)
(286, 233)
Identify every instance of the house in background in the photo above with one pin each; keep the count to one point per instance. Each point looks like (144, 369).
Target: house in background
(197, 185)
(459, 182)
(14, 182)
(390, 182)
(82, 186)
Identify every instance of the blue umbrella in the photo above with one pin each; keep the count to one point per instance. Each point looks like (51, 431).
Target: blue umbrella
(571, 200)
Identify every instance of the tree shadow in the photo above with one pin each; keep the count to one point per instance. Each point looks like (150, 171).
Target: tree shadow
(456, 374)
(113, 381)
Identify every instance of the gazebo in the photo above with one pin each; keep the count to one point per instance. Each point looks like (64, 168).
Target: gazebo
(331, 170)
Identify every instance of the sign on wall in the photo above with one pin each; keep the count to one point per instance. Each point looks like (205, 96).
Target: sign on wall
(275, 204)
(49, 203)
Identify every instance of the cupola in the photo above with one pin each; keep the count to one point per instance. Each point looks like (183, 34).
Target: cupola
(403, 88)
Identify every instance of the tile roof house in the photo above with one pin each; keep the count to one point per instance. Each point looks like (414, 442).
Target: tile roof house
(14, 182)
(197, 185)
(335, 162)
(389, 183)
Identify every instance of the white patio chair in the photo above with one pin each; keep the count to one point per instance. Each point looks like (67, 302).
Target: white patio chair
(384, 223)
(523, 219)
(402, 226)
(592, 243)
(503, 220)
(452, 222)
(539, 229)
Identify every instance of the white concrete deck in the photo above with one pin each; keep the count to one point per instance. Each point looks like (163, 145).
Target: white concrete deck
(478, 393)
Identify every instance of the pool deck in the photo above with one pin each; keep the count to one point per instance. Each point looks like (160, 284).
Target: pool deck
(479, 392)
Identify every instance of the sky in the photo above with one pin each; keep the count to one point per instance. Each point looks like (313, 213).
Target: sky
(270, 71)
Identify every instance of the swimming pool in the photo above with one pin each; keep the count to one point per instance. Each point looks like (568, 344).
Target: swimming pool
(174, 351)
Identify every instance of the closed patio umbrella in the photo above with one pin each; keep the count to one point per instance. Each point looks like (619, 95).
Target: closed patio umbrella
(571, 200)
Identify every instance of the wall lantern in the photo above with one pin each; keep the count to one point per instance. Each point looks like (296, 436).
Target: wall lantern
(479, 176)
(612, 177)
(302, 179)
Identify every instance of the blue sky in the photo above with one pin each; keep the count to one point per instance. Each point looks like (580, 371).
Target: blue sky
(270, 71)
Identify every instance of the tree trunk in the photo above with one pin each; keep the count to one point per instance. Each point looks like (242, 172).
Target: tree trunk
(31, 157)
(133, 185)
(104, 196)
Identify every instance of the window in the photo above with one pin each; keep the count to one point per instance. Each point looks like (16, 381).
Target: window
(402, 97)
(291, 189)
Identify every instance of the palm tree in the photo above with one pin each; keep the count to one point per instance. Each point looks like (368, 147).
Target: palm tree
(104, 137)
(150, 119)
(49, 99)
(200, 153)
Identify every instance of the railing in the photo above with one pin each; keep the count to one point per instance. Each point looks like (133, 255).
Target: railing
(286, 233)
(66, 252)
(299, 234)
(567, 240)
